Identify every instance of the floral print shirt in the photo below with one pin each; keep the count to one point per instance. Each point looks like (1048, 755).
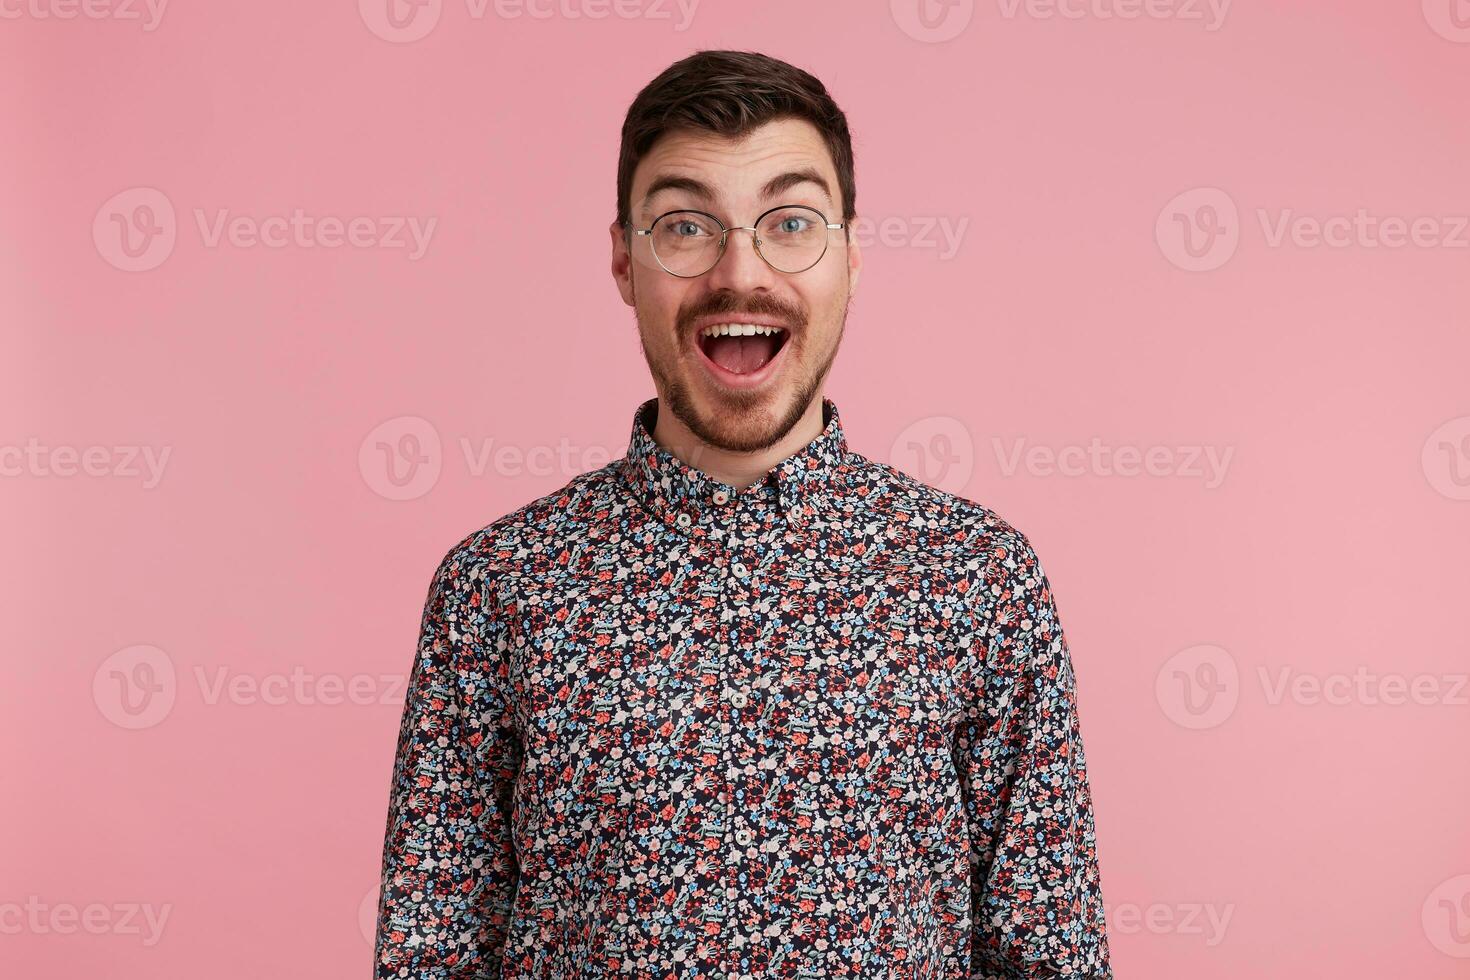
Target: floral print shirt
(823, 727)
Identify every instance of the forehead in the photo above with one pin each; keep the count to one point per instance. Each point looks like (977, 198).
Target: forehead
(735, 170)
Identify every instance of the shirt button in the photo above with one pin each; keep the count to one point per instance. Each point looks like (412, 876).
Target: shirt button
(743, 835)
(737, 698)
(721, 497)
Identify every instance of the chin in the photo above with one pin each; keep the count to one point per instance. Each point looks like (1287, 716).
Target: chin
(745, 422)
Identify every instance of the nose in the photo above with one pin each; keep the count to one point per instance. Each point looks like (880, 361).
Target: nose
(740, 268)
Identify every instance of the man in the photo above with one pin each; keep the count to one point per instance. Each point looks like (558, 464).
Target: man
(742, 703)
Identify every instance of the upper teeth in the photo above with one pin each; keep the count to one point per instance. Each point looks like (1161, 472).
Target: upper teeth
(738, 330)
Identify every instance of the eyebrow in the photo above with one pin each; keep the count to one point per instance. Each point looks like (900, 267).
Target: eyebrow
(779, 184)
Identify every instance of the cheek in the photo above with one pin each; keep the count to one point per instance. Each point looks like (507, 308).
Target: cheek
(658, 305)
(828, 290)
(826, 301)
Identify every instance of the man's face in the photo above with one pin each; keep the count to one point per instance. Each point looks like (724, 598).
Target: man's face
(738, 393)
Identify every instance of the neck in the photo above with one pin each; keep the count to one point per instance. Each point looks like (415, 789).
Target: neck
(740, 470)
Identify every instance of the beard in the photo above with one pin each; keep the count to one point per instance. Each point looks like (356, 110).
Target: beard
(739, 423)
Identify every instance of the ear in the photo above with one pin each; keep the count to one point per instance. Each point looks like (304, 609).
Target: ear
(622, 262)
(854, 259)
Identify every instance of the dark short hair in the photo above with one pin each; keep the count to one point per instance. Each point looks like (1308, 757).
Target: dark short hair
(731, 93)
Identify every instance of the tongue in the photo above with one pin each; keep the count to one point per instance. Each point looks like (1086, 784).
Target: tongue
(741, 355)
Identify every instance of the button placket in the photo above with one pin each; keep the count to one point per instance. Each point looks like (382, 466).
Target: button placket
(743, 548)
(737, 669)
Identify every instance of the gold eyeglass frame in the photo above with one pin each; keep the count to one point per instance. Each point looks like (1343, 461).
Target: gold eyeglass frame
(830, 226)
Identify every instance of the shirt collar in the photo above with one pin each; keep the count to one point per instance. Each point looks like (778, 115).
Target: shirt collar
(684, 496)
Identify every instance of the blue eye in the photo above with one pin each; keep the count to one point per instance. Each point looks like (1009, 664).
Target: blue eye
(688, 227)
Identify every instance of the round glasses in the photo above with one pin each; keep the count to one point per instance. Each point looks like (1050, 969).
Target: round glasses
(791, 238)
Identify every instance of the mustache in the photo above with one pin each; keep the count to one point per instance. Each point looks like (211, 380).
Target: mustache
(760, 304)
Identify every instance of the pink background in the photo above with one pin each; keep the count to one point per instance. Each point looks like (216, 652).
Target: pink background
(1245, 829)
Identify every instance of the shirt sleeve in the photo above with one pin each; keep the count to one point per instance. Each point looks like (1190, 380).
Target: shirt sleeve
(449, 868)
(1036, 897)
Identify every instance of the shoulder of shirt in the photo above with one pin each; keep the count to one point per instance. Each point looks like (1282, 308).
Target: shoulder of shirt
(996, 562)
(960, 529)
(494, 547)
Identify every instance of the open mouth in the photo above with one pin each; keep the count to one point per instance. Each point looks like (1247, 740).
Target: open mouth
(741, 348)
